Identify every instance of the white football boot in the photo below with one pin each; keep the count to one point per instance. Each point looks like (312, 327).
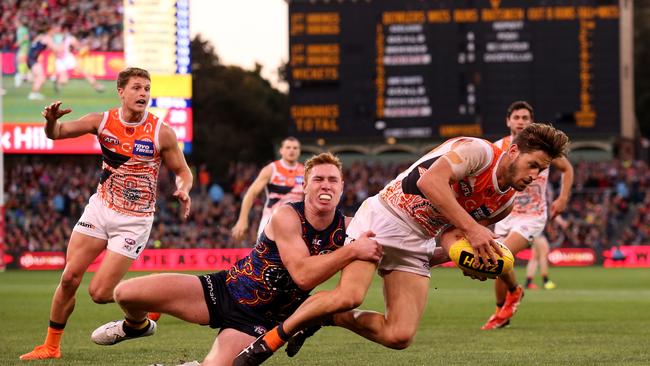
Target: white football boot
(113, 332)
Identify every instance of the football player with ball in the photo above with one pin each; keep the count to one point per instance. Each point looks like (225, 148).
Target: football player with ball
(467, 183)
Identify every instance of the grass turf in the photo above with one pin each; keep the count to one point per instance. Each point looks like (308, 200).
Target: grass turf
(77, 94)
(596, 316)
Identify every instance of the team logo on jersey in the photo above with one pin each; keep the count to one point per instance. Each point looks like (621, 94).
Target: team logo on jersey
(143, 148)
(110, 140)
(259, 329)
(299, 179)
(465, 188)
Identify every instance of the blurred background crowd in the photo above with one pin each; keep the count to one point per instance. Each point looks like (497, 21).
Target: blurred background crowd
(45, 196)
(96, 24)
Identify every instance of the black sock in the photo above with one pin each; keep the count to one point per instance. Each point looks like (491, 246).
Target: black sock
(512, 289)
(500, 305)
(529, 280)
(545, 279)
(284, 336)
(132, 332)
(56, 325)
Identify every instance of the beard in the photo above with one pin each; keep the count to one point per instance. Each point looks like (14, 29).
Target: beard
(511, 173)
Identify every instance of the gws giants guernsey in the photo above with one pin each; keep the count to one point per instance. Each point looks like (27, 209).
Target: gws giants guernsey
(473, 163)
(131, 160)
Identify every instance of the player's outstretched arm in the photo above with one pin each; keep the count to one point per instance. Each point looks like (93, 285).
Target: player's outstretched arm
(174, 159)
(239, 230)
(559, 205)
(310, 271)
(56, 130)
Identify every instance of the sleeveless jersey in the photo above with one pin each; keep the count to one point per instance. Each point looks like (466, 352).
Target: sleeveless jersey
(473, 162)
(131, 160)
(530, 202)
(261, 283)
(284, 186)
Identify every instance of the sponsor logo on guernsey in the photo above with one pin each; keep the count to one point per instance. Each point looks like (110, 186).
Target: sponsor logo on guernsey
(143, 148)
(465, 188)
(110, 140)
(259, 329)
(481, 213)
(299, 180)
(86, 224)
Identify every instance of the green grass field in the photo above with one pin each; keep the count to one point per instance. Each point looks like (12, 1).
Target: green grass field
(77, 94)
(596, 316)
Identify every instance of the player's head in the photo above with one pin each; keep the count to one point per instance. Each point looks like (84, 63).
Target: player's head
(519, 116)
(133, 87)
(323, 182)
(532, 151)
(290, 149)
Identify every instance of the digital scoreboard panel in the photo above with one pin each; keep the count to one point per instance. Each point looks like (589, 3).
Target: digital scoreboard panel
(437, 69)
(157, 38)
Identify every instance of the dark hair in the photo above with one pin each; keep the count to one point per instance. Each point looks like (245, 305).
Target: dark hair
(289, 138)
(544, 137)
(131, 72)
(320, 159)
(520, 104)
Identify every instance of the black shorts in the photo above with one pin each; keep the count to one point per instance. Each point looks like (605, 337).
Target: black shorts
(225, 312)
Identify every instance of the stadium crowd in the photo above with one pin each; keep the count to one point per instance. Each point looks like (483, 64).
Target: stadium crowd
(610, 204)
(97, 24)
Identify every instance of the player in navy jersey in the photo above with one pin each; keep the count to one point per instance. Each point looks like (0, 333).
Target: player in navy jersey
(300, 248)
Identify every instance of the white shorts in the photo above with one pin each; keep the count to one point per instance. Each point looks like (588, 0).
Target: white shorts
(404, 249)
(265, 220)
(529, 227)
(67, 62)
(126, 235)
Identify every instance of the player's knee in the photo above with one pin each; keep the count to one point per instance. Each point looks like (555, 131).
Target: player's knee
(399, 339)
(100, 295)
(70, 281)
(348, 299)
(123, 293)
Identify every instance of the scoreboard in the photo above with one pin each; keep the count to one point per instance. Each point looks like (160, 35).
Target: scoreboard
(157, 38)
(436, 69)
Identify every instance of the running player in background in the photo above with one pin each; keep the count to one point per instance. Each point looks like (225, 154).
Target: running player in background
(466, 183)
(281, 180)
(528, 217)
(22, 44)
(39, 44)
(65, 60)
(301, 247)
(119, 216)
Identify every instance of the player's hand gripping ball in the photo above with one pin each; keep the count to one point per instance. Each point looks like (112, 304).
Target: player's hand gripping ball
(462, 253)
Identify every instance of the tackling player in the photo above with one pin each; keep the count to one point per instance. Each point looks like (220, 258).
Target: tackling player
(301, 247)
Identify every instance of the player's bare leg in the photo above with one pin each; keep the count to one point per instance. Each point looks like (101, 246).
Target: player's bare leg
(405, 297)
(179, 295)
(541, 243)
(82, 250)
(228, 344)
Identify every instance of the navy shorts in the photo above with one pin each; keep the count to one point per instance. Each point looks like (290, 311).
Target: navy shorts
(225, 312)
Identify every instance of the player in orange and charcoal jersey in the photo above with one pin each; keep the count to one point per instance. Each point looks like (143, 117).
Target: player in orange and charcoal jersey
(465, 183)
(528, 218)
(119, 216)
(282, 182)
